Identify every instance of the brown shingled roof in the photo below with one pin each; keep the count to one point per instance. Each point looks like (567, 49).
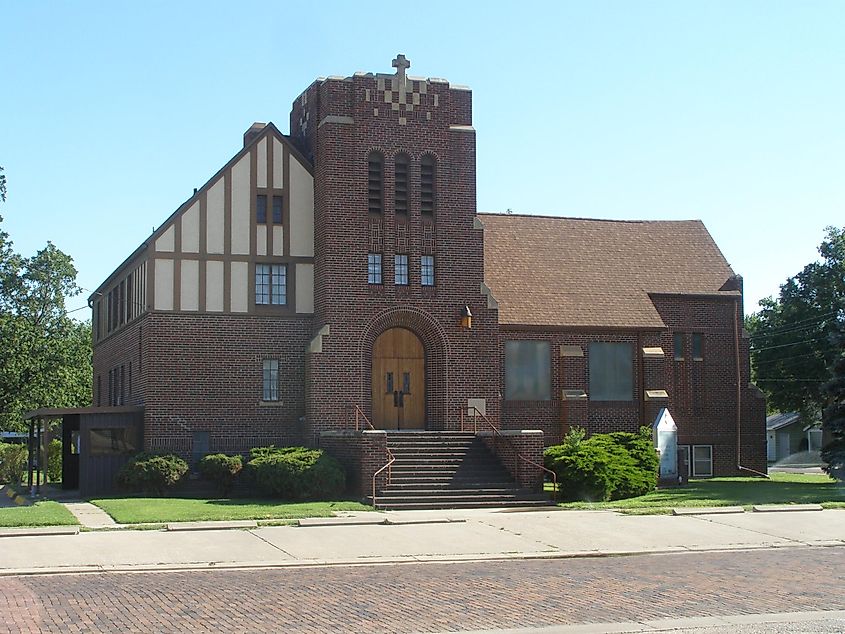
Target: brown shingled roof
(580, 272)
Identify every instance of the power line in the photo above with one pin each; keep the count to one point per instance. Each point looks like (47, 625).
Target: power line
(798, 325)
(784, 345)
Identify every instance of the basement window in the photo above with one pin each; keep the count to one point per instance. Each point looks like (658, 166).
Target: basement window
(702, 461)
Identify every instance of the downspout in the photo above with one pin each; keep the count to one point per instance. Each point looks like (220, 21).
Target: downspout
(739, 396)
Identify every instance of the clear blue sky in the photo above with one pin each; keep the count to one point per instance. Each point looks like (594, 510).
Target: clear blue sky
(730, 112)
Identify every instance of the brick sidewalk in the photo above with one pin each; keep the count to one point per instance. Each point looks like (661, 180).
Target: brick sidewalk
(430, 597)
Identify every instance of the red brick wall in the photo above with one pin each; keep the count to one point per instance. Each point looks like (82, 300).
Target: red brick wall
(702, 394)
(361, 454)
(123, 347)
(514, 449)
(460, 364)
(208, 377)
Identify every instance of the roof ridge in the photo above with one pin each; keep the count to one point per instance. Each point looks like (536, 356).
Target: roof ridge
(550, 217)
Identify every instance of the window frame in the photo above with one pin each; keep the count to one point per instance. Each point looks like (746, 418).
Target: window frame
(544, 393)
(594, 374)
(697, 341)
(274, 278)
(261, 209)
(401, 274)
(375, 269)
(427, 273)
(678, 346)
(695, 474)
(270, 381)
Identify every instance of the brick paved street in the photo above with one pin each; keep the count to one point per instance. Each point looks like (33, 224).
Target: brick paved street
(429, 597)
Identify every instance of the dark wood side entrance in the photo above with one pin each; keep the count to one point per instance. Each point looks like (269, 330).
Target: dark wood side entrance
(398, 380)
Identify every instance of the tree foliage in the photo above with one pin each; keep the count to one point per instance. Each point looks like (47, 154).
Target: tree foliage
(833, 416)
(792, 350)
(45, 355)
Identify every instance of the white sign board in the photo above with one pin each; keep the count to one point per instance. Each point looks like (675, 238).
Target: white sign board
(666, 440)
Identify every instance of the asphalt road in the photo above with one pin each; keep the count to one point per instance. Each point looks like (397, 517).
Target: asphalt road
(435, 597)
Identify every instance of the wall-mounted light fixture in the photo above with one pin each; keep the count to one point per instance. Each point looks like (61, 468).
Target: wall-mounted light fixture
(466, 318)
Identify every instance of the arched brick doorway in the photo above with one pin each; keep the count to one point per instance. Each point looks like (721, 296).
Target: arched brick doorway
(398, 380)
(435, 381)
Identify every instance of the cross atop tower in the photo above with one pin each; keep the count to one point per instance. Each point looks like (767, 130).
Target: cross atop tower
(401, 65)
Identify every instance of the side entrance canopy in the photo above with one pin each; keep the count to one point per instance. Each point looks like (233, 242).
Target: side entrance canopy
(96, 443)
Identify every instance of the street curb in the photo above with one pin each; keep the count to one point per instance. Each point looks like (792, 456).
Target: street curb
(777, 508)
(39, 531)
(383, 561)
(707, 510)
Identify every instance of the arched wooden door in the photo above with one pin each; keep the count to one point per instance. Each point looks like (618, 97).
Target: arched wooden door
(398, 380)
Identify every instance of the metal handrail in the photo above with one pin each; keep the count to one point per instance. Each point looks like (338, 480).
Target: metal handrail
(498, 433)
(360, 415)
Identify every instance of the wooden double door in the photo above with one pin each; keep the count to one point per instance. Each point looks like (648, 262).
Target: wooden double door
(398, 380)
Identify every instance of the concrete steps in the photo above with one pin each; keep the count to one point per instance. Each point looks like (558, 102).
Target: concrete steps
(449, 470)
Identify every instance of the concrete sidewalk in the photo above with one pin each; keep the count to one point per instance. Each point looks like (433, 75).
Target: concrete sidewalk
(418, 536)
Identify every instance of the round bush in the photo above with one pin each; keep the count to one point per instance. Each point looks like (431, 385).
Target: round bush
(296, 473)
(221, 470)
(13, 459)
(151, 473)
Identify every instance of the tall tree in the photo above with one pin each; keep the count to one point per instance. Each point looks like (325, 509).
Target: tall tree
(834, 413)
(791, 335)
(45, 355)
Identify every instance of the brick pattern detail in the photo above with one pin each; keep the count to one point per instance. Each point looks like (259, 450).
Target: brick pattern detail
(508, 450)
(460, 363)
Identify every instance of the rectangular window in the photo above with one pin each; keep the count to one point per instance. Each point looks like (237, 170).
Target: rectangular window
(611, 372)
(427, 185)
(702, 461)
(271, 284)
(528, 371)
(374, 268)
(400, 275)
(113, 440)
(278, 284)
(261, 209)
(277, 210)
(427, 270)
(697, 346)
(262, 283)
(402, 184)
(679, 346)
(270, 390)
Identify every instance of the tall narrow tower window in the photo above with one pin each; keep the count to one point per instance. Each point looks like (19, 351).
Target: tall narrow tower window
(427, 185)
(374, 179)
(403, 187)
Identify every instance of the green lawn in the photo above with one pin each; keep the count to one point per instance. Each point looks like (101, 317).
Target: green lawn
(39, 514)
(158, 510)
(782, 488)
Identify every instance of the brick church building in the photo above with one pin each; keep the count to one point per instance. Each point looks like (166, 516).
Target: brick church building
(338, 281)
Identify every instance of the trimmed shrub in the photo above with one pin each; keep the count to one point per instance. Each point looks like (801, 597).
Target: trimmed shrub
(151, 473)
(221, 470)
(54, 460)
(13, 459)
(604, 466)
(296, 473)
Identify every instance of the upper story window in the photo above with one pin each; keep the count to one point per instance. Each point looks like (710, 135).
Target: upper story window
(271, 284)
(261, 209)
(427, 184)
(400, 263)
(375, 178)
(528, 371)
(611, 372)
(402, 183)
(374, 268)
(427, 270)
(277, 210)
(697, 346)
(679, 346)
